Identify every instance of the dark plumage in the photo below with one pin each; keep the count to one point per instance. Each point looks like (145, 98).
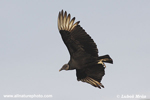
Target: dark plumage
(83, 51)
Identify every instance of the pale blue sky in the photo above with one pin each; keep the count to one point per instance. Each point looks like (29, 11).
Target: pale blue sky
(32, 51)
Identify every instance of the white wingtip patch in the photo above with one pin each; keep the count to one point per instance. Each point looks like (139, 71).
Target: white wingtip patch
(64, 22)
(92, 82)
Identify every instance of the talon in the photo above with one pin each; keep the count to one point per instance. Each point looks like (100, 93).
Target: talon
(101, 62)
(104, 65)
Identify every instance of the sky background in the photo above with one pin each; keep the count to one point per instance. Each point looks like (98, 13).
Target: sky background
(32, 51)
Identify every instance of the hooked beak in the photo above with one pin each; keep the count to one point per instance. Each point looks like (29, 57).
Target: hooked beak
(60, 70)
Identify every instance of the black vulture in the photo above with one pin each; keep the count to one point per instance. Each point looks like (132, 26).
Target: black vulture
(83, 51)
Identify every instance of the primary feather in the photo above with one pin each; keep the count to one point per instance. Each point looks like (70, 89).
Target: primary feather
(72, 32)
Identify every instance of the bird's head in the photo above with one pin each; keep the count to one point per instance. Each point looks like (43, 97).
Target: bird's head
(64, 67)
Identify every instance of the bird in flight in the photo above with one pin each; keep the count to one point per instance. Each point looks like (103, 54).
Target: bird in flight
(90, 67)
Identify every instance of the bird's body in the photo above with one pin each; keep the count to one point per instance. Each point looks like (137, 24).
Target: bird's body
(80, 60)
(83, 52)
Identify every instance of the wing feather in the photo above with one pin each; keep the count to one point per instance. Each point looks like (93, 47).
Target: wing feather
(58, 22)
(92, 82)
(71, 23)
(61, 20)
(68, 21)
(65, 17)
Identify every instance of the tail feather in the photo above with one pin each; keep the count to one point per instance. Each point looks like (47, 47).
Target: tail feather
(105, 58)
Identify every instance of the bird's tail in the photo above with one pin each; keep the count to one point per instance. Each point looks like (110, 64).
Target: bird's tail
(105, 58)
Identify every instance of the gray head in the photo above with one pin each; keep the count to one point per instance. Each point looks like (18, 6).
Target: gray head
(64, 67)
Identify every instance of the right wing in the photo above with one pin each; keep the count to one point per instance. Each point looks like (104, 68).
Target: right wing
(92, 75)
(74, 36)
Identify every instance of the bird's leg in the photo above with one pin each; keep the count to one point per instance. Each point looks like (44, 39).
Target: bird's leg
(101, 62)
(104, 65)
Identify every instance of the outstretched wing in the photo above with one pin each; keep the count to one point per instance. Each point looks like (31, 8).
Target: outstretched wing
(74, 36)
(92, 75)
